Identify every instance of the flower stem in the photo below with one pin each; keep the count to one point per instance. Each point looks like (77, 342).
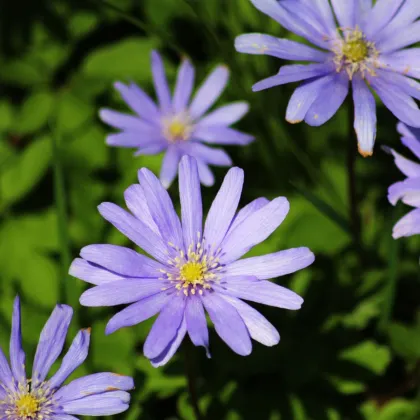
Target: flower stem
(190, 374)
(351, 177)
(61, 204)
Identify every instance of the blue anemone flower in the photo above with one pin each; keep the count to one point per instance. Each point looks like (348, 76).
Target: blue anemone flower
(39, 398)
(355, 42)
(179, 125)
(196, 266)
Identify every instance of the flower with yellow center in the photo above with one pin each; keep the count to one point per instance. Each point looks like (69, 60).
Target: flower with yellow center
(194, 271)
(355, 53)
(177, 128)
(34, 403)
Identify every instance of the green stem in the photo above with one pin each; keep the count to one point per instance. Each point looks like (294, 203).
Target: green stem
(391, 286)
(62, 223)
(190, 374)
(351, 177)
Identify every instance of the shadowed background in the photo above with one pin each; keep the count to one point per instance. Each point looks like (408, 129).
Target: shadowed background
(352, 352)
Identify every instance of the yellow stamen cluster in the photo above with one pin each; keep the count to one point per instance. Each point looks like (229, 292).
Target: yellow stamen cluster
(27, 403)
(177, 128)
(194, 271)
(355, 53)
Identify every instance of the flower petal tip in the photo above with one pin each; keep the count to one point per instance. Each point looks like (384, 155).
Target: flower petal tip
(364, 153)
(293, 121)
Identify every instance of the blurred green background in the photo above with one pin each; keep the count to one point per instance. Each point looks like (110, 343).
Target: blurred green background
(352, 352)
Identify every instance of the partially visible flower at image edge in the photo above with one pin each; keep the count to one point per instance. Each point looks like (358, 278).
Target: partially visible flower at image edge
(194, 269)
(37, 398)
(408, 191)
(178, 124)
(366, 48)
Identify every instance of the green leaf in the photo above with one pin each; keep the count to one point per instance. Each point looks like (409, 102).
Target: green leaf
(405, 341)
(34, 113)
(25, 171)
(370, 355)
(127, 59)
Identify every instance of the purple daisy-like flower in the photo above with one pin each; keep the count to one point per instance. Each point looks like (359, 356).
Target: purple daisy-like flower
(408, 191)
(356, 42)
(39, 398)
(178, 125)
(194, 269)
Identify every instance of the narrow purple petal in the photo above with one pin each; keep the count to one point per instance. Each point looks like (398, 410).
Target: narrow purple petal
(364, 116)
(184, 86)
(125, 121)
(304, 96)
(105, 404)
(380, 15)
(303, 23)
(196, 323)
(407, 14)
(165, 327)
(277, 47)
(191, 204)
(205, 173)
(138, 312)
(138, 101)
(407, 131)
(327, 104)
(406, 166)
(346, 12)
(260, 291)
(76, 355)
(225, 115)
(172, 347)
(223, 208)
(407, 226)
(143, 139)
(228, 323)
(255, 229)
(398, 102)
(221, 135)
(135, 230)
(17, 355)
(247, 211)
(408, 35)
(407, 190)
(406, 84)
(161, 207)
(209, 155)
(413, 144)
(160, 82)
(90, 273)
(137, 204)
(121, 292)
(97, 383)
(258, 327)
(121, 260)
(152, 148)
(271, 265)
(209, 91)
(6, 376)
(169, 166)
(294, 73)
(51, 342)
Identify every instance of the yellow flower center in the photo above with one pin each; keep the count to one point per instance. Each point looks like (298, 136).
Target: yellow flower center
(355, 53)
(177, 128)
(193, 272)
(356, 49)
(27, 406)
